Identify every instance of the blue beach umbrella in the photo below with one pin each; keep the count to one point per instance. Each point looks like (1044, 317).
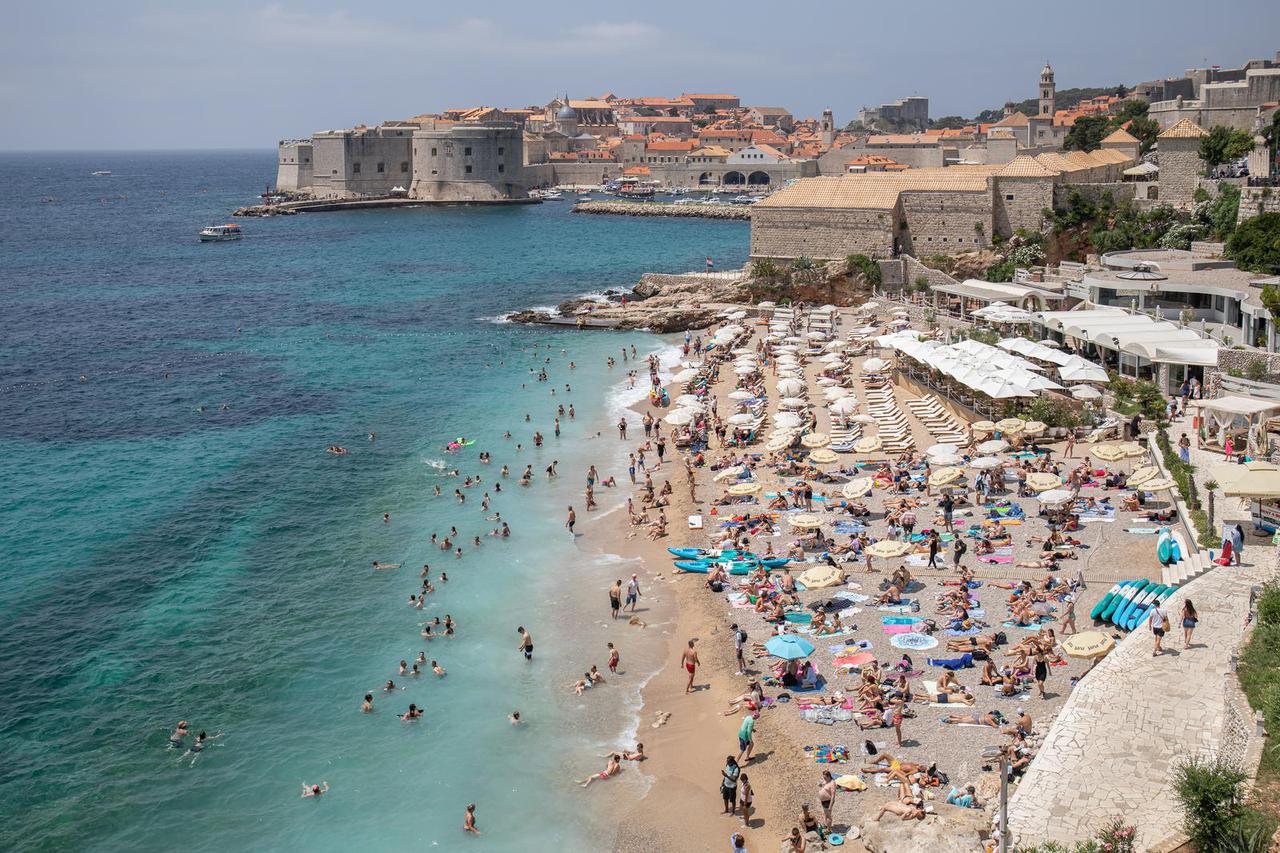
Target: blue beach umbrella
(789, 647)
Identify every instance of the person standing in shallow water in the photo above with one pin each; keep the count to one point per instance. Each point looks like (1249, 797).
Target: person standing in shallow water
(526, 643)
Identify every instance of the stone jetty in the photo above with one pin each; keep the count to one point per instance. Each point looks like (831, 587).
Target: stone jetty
(653, 208)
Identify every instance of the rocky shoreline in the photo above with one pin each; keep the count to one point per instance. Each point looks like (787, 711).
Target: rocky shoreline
(649, 208)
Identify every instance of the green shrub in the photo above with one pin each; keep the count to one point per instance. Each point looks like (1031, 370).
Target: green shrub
(1269, 605)
(1257, 370)
(1212, 799)
(864, 266)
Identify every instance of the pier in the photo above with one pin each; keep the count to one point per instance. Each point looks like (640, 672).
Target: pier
(650, 208)
(327, 205)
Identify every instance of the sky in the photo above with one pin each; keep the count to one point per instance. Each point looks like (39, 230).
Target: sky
(84, 74)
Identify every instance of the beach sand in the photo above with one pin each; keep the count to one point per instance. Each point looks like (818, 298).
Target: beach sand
(681, 809)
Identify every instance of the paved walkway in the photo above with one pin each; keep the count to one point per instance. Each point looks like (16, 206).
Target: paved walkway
(1112, 749)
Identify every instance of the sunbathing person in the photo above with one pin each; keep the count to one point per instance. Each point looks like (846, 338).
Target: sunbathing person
(834, 627)
(990, 675)
(944, 698)
(894, 768)
(947, 683)
(893, 595)
(991, 718)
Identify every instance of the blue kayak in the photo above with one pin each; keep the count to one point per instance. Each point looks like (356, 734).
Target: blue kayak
(706, 554)
(702, 567)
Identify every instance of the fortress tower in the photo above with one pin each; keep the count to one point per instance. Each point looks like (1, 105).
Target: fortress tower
(828, 126)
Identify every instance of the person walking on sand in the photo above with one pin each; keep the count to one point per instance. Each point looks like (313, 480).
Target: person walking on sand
(1159, 624)
(526, 643)
(690, 660)
(615, 598)
(571, 520)
(1041, 673)
(1068, 616)
(1189, 620)
(739, 640)
(746, 736)
(934, 544)
(827, 795)
(633, 592)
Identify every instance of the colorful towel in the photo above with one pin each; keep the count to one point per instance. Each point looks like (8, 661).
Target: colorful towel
(896, 608)
(995, 560)
(1033, 627)
(854, 660)
(969, 633)
(901, 620)
(899, 629)
(1143, 531)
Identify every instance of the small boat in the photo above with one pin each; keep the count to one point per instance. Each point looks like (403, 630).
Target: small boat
(584, 198)
(102, 173)
(219, 233)
(553, 196)
(743, 199)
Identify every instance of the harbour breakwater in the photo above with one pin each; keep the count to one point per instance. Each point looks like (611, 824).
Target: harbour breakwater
(648, 208)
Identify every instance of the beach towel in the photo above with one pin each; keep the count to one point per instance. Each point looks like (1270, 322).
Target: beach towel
(798, 618)
(905, 607)
(852, 596)
(1033, 627)
(695, 522)
(965, 661)
(901, 620)
(931, 688)
(962, 725)
(850, 648)
(898, 629)
(854, 660)
(1143, 531)
(917, 561)
(913, 641)
(969, 633)
(995, 560)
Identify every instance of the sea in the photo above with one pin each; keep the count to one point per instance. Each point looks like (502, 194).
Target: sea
(177, 544)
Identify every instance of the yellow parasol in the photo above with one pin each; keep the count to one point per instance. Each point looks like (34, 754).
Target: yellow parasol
(779, 443)
(857, 487)
(823, 576)
(743, 489)
(888, 548)
(945, 476)
(870, 444)
(1042, 481)
(1157, 484)
(815, 439)
(1107, 452)
(1131, 449)
(983, 427)
(1011, 425)
(823, 456)
(1143, 474)
(1034, 427)
(805, 520)
(1088, 644)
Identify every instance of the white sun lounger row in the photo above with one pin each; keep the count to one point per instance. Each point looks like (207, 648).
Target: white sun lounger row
(940, 423)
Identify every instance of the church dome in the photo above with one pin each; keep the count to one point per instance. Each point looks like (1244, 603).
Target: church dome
(566, 112)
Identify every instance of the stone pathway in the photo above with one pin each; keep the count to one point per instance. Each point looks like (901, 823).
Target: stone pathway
(1113, 747)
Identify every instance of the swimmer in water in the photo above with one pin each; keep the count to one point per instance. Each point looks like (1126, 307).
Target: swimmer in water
(367, 705)
(413, 713)
(197, 747)
(438, 669)
(178, 738)
(514, 717)
(611, 768)
(378, 566)
(314, 790)
(469, 820)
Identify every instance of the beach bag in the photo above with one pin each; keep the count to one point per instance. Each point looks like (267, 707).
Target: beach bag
(1164, 623)
(980, 654)
(1001, 639)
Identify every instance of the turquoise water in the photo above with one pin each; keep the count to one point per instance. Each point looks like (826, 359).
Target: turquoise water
(178, 544)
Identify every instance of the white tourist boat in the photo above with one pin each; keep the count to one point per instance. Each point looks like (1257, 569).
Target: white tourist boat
(102, 173)
(219, 233)
(553, 196)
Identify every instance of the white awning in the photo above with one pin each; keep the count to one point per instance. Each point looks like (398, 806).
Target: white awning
(1236, 405)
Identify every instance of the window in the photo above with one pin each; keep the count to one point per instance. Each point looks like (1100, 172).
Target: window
(466, 151)
(382, 167)
(1008, 197)
(468, 170)
(355, 168)
(435, 172)
(501, 168)
(499, 149)
(404, 166)
(433, 153)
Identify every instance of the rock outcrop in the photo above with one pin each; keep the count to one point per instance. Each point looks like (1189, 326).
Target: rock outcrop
(950, 830)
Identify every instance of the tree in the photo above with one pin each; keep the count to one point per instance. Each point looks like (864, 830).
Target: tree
(948, 122)
(1145, 130)
(1255, 244)
(1087, 133)
(864, 266)
(1224, 209)
(1224, 144)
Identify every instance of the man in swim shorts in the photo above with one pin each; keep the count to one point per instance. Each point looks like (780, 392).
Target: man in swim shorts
(526, 643)
(690, 660)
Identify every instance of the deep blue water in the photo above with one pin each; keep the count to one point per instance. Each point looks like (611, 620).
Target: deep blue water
(177, 544)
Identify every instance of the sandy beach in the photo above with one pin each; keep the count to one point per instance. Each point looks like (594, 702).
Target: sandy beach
(681, 809)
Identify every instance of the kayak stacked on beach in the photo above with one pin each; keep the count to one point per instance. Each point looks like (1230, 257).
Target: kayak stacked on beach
(1128, 604)
(702, 561)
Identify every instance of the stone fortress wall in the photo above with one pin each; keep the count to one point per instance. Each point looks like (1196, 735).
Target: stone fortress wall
(480, 162)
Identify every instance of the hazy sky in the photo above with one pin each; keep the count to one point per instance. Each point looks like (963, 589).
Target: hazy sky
(94, 75)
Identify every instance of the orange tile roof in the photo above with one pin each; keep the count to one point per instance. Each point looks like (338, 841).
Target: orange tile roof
(1184, 129)
(672, 145)
(768, 137)
(720, 97)
(1017, 119)
(1119, 135)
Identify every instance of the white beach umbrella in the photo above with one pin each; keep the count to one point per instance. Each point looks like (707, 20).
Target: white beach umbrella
(832, 358)
(740, 419)
(741, 394)
(835, 392)
(985, 463)
(690, 400)
(863, 419)
(685, 376)
(791, 348)
(740, 370)
(787, 419)
(835, 346)
(767, 304)
(790, 387)
(1055, 497)
(844, 406)
(679, 417)
(817, 336)
(793, 402)
(1085, 392)
(942, 449)
(1080, 370)
(874, 365)
(856, 488)
(827, 381)
(995, 445)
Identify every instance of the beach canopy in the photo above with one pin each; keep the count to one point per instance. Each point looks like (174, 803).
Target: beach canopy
(1085, 392)
(1143, 474)
(788, 647)
(1258, 480)
(679, 417)
(995, 445)
(888, 548)
(1034, 428)
(1107, 452)
(1042, 481)
(874, 365)
(1011, 425)
(820, 577)
(868, 444)
(1088, 644)
(945, 476)
(815, 440)
(779, 442)
(743, 489)
(982, 427)
(857, 487)
(823, 456)
(1131, 449)
(844, 406)
(805, 520)
(986, 463)
(1055, 497)
(790, 387)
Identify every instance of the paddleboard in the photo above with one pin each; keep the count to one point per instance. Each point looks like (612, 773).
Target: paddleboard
(1124, 598)
(1138, 613)
(1138, 602)
(1106, 599)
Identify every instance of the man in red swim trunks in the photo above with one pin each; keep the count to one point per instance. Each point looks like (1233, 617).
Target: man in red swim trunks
(690, 661)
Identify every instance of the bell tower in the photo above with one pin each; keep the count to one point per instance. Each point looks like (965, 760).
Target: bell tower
(1047, 90)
